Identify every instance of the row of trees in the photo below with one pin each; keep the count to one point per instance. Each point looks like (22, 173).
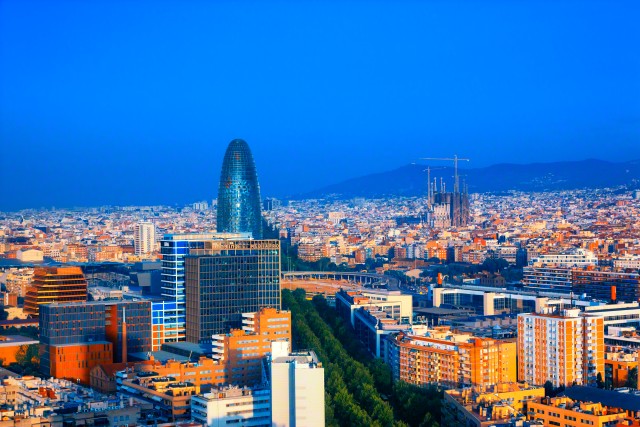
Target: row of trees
(355, 391)
(414, 405)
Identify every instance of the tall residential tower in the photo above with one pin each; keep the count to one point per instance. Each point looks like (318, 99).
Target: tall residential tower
(239, 192)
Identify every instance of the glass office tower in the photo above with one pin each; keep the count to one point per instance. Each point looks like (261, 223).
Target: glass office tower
(174, 248)
(227, 278)
(239, 192)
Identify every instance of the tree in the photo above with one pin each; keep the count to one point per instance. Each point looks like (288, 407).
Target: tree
(599, 382)
(632, 379)
(548, 389)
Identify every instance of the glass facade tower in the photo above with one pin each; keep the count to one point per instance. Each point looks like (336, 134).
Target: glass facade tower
(174, 248)
(227, 278)
(239, 192)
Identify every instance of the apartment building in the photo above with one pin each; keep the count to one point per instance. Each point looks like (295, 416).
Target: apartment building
(441, 357)
(562, 346)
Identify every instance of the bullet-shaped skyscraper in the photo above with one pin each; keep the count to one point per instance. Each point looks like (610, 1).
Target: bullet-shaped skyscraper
(239, 192)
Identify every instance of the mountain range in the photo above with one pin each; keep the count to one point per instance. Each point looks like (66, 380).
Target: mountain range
(410, 180)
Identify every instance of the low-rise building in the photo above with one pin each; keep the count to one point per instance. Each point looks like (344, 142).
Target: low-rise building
(563, 411)
(488, 406)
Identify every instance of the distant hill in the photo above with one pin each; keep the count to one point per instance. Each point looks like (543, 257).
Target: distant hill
(410, 180)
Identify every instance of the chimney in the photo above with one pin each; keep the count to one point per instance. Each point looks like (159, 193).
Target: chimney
(124, 334)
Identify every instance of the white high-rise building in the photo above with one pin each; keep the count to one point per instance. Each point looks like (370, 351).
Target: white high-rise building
(297, 387)
(144, 237)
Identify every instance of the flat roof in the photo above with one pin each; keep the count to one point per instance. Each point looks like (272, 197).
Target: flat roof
(160, 356)
(611, 398)
(11, 340)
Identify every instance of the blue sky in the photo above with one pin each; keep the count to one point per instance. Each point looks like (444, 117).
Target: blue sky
(134, 102)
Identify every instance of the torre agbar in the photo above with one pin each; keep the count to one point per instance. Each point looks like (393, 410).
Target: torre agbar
(239, 192)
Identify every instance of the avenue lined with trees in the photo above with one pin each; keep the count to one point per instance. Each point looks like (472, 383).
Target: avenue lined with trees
(359, 390)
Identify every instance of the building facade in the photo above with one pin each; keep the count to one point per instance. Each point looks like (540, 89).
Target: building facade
(239, 192)
(76, 337)
(174, 248)
(297, 387)
(243, 350)
(560, 346)
(144, 238)
(55, 284)
(439, 356)
(227, 278)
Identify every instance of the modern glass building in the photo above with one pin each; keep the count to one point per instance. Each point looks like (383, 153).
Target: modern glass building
(72, 328)
(174, 248)
(226, 279)
(239, 192)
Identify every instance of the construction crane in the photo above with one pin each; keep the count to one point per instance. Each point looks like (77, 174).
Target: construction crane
(455, 159)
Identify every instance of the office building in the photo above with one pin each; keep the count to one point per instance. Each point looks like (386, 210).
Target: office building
(239, 192)
(55, 284)
(243, 350)
(547, 279)
(563, 346)
(442, 357)
(144, 238)
(297, 387)
(174, 248)
(76, 337)
(227, 278)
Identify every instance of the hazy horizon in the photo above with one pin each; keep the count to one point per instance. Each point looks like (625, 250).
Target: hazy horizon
(135, 103)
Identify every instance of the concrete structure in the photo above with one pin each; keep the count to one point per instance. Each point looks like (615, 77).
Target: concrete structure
(227, 278)
(297, 388)
(144, 238)
(561, 346)
(55, 284)
(243, 407)
(441, 357)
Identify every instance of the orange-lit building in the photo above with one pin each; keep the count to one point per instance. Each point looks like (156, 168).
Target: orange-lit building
(77, 337)
(617, 365)
(439, 356)
(488, 406)
(563, 347)
(10, 345)
(75, 361)
(55, 284)
(243, 350)
(562, 411)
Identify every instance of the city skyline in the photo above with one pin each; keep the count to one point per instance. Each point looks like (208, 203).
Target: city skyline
(323, 92)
